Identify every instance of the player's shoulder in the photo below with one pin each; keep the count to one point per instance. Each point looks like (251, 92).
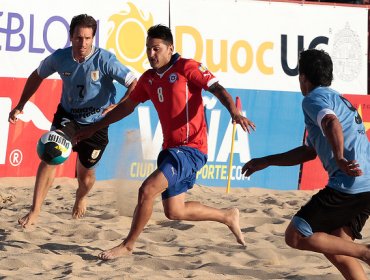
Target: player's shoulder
(330, 94)
(188, 65)
(60, 55)
(62, 52)
(103, 53)
(147, 75)
(106, 59)
(321, 95)
(189, 62)
(322, 92)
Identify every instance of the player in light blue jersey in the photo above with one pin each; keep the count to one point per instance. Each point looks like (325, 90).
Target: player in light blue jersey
(88, 74)
(335, 216)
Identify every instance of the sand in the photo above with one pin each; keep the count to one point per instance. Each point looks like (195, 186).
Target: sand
(59, 247)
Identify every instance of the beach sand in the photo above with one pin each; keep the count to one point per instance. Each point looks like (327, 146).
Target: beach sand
(59, 247)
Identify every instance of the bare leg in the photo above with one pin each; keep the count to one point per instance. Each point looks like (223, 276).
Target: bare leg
(177, 209)
(155, 184)
(86, 180)
(44, 179)
(338, 248)
(349, 267)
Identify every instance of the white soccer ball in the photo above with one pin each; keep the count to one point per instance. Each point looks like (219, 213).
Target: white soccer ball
(53, 147)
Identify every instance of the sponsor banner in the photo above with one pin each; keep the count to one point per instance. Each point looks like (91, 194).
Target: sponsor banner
(256, 44)
(18, 157)
(136, 141)
(313, 174)
(243, 50)
(29, 32)
(240, 50)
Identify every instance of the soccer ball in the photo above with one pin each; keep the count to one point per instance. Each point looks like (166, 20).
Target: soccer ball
(53, 147)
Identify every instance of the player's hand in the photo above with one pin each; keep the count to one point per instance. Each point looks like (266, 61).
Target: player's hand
(108, 109)
(13, 115)
(254, 165)
(245, 123)
(350, 167)
(82, 133)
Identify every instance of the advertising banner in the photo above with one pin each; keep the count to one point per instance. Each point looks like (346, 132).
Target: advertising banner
(29, 33)
(252, 48)
(255, 44)
(279, 123)
(18, 157)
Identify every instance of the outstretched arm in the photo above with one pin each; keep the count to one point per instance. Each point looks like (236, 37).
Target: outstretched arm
(127, 94)
(293, 157)
(32, 84)
(225, 98)
(333, 132)
(121, 111)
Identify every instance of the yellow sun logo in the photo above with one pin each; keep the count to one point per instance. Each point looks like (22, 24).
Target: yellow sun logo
(127, 37)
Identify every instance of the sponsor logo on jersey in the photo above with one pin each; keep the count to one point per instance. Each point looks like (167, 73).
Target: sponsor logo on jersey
(85, 112)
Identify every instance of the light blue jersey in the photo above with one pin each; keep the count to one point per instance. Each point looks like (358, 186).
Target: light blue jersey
(88, 86)
(320, 102)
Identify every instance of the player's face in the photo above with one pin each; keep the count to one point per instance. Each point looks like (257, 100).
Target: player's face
(159, 54)
(301, 84)
(82, 40)
(305, 84)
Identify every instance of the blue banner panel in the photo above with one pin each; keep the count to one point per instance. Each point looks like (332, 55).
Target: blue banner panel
(136, 141)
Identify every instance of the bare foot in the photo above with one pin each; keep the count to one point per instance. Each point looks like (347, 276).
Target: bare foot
(234, 226)
(79, 209)
(115, 252)
(28, 220)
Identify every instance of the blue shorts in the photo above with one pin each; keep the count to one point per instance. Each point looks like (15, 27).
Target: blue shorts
(180, 166)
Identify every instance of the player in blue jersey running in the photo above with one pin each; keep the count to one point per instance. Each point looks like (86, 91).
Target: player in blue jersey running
(335, 216)
(88, 93)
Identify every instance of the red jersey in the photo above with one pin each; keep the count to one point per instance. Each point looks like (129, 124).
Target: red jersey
(177, 97)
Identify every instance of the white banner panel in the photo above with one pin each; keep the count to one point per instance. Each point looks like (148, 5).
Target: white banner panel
(31, 30)
(255, 44)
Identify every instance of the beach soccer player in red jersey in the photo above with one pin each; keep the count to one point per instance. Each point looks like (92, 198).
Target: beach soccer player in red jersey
(174, 85)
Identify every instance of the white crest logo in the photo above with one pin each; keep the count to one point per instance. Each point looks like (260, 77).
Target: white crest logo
(95, 154)
(347, 52)
(94, 75)
(172, 78)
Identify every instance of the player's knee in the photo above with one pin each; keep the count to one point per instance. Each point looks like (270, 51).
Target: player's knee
(338, 259)
(86, 180)
(292, 237)
(146, 192)
(172, 214)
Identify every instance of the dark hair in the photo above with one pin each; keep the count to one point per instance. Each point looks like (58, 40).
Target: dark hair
(317, 66)
(160, 31)
(83, 20)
